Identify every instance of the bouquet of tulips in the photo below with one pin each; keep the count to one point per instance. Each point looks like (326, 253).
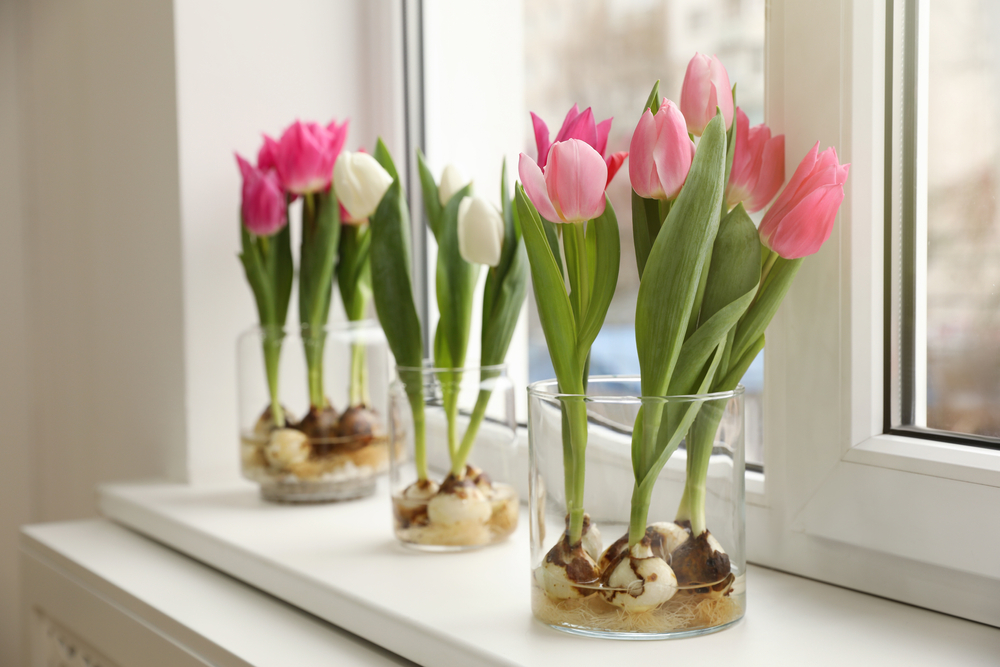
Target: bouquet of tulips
(710, 282)
(335, 244)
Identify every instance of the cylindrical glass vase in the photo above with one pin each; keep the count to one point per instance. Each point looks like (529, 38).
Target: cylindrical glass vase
(616, 557)
(453, 435)
(331, 439)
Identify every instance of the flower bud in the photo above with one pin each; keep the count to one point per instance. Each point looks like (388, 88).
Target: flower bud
(360, 182)
(453, 179)
(661, 153)
(263, 205)
(571, 189)
(305, 154)
(480, 231)
(758, 165)
(706, 86)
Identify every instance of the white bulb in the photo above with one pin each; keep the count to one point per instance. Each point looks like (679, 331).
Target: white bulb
(672, 534)
(465, 504)
(643, 581)
(286, 447)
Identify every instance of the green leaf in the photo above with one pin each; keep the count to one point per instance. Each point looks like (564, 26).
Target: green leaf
(499, 328)
(384, 158)
(354, 270)
(755, 322)
(653, 101)
(552, 236)
(432, 200)
(607, 259)
(390, 271)
(730, 288)
(673, 269)
(738, 369)
(318, 257)
(554, 309)
(455, 283)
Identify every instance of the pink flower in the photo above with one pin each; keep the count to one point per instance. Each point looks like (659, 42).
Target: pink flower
(263, 207)
(758, 165)
(801, 219)
(706, 86)
(578, 125)
(305, 155)
(571, 189)
(661, 153)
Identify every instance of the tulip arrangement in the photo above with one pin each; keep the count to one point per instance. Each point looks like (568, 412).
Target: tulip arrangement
(334, 246)
(469, 232)
(710, 282)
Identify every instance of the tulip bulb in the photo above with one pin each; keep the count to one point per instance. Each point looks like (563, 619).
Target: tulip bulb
(671, 535)
(286, 447)
(480, 231)
(360, 182)
(453, 179)
(640, 580)
(568, 572)
(459, 501)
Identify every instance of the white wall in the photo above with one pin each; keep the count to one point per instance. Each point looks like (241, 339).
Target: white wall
(120, 292)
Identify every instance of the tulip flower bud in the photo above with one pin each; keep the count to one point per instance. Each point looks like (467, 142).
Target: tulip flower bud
(571, 189)
(801, 219)
(480, 231)
(661, 153)
(453, 179)
(758, 165)
(578, 125)
(360, 182)
(263, 205)
(305, 154)
(706, 86)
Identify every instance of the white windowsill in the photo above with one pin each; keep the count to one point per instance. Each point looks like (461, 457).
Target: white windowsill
(341, 563)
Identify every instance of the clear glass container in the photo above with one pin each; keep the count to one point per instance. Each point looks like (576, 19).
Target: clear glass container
(669, 583)
(321, 453)
(454, 492)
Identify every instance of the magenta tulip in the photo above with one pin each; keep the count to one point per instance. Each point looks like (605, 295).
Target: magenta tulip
(801, 219)
(706, 86)
(661, 153)
(263, 207)
(578, 125)
(758, 165)
(305, 155)
(571, 188)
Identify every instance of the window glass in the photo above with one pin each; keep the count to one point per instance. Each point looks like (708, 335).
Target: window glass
(606, 54)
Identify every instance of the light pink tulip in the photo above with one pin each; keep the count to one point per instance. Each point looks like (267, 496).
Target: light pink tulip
(801, 219)
(578, 125)
(661, 153)
(758, 165)
(571, 188)
(305, 155)
(706, 86)
(263, 205)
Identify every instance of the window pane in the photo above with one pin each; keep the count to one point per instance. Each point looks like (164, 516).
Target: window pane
(963, 232)
(606, 54)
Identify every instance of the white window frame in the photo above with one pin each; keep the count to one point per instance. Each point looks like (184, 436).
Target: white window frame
(841, 501)
(891, 515)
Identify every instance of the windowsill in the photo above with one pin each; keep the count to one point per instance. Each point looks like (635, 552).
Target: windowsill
(341, 563)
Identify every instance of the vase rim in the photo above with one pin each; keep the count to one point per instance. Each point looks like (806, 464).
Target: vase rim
(538, 389)
(296, 327)
(429, 368)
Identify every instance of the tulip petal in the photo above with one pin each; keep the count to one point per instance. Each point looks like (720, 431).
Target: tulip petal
(575, 178)
(583, 128)
(807, 226)
(641, 167)
(786, 200)
(533, 182)
(571, 116)
(603, 130)
(671, 155)
(541, 138)
(614, 162)
(770, 176)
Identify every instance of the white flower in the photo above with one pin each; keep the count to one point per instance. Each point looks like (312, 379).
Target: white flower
(360, 182)
(453, 179)
(480, 231)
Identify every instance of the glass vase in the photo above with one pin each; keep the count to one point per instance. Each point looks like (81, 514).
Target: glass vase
(330, 387)
(635, 569)
(453, 435)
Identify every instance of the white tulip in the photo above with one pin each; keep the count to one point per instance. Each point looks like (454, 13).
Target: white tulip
(453, 179)
(360, 182)
(480, 231)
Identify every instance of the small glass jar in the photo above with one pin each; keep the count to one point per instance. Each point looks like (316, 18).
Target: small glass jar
(633, 574)
(331, 441)
(454, 439)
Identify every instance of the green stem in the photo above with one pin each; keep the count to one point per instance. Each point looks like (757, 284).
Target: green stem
(469, 438)
(272, 356)
(419, 433)
(359, 377)
(314, 342)
(576, 419)
(771, 259)
(700, 442)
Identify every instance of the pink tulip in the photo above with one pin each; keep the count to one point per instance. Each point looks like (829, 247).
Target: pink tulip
(263, 205)
(305, 155)
(801, 219)
(758, 165)
(571, 189)
(578, 125)
(661, 153)
(706, 86)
